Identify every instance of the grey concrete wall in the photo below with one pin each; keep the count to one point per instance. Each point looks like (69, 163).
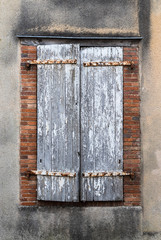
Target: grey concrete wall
(9, 113)
(71, 223)
(79, 18)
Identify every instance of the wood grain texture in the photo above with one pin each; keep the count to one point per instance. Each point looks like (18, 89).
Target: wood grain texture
(58, 123)
(59, 109)
(101, 124)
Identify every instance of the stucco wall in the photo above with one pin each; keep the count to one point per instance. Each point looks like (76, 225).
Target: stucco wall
(67, 17)
(9, 113)
(151, 118)
(79, 18)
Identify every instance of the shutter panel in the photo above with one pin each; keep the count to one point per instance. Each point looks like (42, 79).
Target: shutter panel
(58, 123)
(101, 124)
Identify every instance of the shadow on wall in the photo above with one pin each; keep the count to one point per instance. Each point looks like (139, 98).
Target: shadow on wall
(144, 22)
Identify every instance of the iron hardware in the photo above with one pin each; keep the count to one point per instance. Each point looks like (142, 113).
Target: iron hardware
(42, 62)
(103, 64)
(107, 174)
(50, 173)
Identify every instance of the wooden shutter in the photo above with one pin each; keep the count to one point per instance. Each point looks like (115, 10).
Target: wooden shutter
(58, 123)
(101, 124)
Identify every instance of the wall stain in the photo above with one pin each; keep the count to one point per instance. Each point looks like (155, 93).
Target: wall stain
(52, 17)
(144, 21)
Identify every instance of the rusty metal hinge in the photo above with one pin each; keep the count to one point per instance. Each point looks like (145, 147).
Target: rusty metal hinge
(42, 62)
(107, 174)
(104, 64)
(84, 174)
(50, 173)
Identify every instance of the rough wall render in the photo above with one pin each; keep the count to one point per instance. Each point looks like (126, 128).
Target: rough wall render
(9, 115)
(79, 18)
(110, 220)
(151, 116)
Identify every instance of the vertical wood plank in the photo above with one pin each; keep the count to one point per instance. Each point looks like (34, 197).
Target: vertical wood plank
(58, 123)
(101, 124)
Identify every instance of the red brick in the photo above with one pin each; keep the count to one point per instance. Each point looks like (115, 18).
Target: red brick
(33, 203)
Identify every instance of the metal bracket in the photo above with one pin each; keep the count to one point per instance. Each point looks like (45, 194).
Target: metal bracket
(108, 174)
(49, 62)
(106, 64)
(85, 174)
(49, 173)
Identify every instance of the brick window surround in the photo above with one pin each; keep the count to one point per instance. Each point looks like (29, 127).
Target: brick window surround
(131, 132)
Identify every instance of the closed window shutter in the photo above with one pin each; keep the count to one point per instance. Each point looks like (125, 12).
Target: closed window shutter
(101, 124)
(58, 123)
(67, 122)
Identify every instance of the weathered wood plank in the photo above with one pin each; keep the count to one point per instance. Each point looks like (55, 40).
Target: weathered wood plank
(58, 123)
(101, 124)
